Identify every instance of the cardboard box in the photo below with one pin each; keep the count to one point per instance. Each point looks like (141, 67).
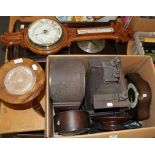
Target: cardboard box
(142, 24)
(17, 121)
(140, 64)
(14, 121)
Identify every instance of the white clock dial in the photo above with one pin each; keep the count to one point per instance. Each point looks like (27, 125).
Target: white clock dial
(133, 95)
(45, 32)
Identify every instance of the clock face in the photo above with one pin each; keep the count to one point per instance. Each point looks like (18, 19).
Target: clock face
(133, 95)
(91, 46)
(45, 32)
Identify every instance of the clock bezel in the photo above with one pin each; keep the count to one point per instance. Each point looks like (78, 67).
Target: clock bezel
(41, 45)
(44, 50)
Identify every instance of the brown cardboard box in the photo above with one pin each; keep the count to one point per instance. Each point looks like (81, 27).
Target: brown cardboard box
(142, 24)
(15, 121)
(139, 24)
(140, 64)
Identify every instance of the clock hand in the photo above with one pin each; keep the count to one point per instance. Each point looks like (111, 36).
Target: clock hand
(38, 33)
(52, 27)
(45, 30)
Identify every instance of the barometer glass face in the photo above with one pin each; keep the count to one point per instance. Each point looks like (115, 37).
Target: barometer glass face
(19, 80)
(91, 46)
(45, 32)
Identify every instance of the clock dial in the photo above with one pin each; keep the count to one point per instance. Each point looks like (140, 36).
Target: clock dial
(45, 32)
(91, 46)
(133, 95)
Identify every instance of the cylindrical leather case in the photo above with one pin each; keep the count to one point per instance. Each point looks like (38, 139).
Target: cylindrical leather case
(72, 122)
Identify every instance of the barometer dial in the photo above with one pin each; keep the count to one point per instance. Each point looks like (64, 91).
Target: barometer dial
(45, 32)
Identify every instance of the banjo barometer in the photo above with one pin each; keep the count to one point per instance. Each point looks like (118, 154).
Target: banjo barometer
(48, 36)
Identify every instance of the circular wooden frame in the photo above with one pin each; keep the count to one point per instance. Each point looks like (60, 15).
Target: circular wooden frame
(30, 95)
(49, 49)
(33, 26)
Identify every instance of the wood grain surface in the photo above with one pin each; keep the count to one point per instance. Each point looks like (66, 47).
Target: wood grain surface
(13, 121)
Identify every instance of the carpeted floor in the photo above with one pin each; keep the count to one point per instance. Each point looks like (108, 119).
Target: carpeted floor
(4, 24)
